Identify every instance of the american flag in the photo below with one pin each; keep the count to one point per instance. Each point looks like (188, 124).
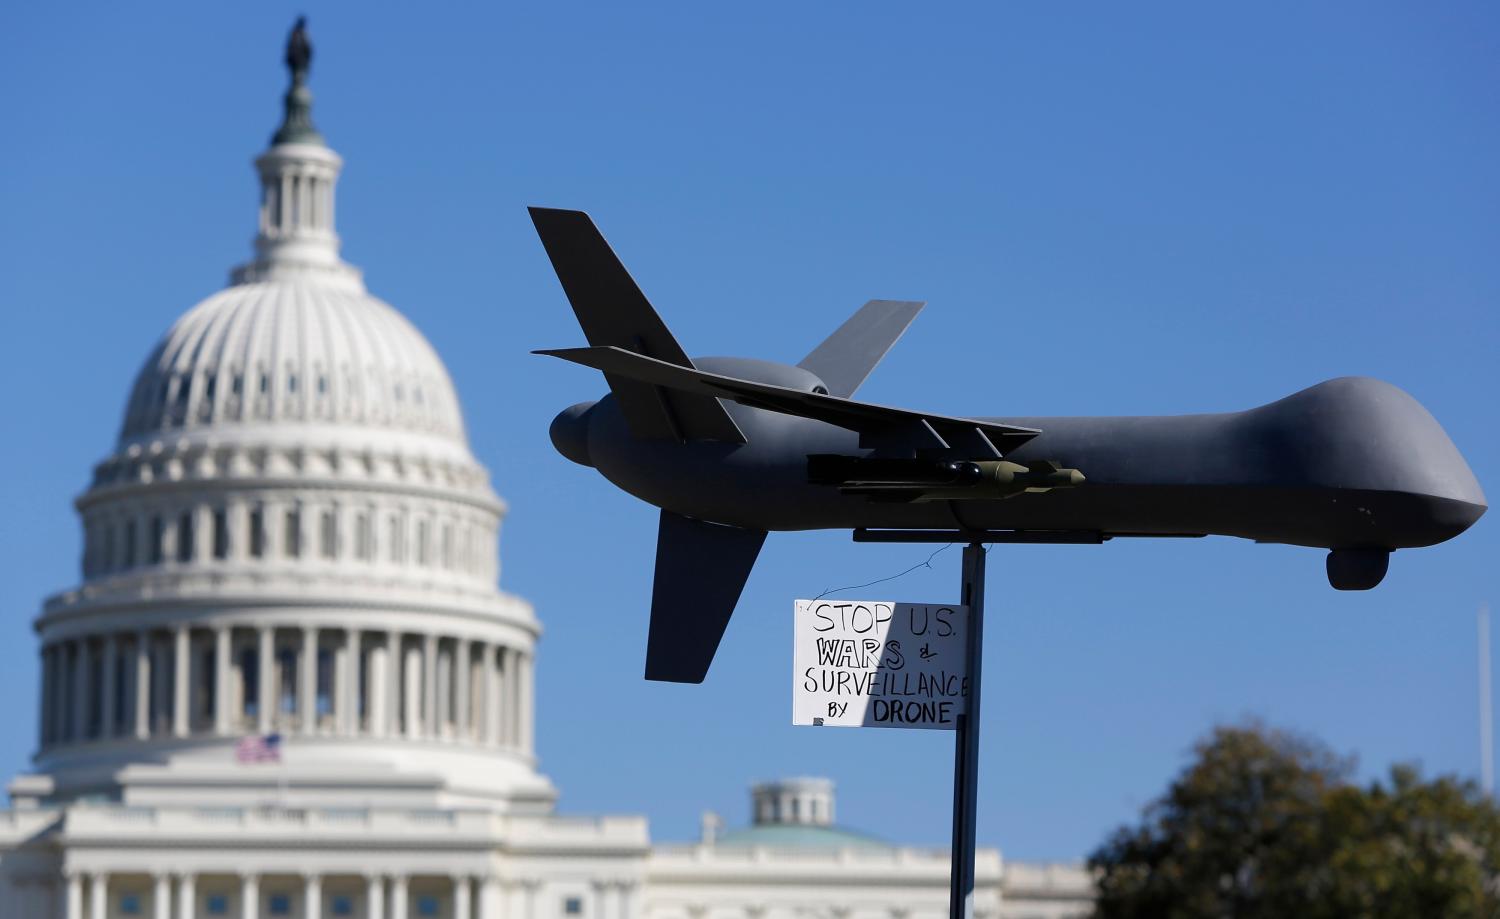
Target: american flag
(259, 748)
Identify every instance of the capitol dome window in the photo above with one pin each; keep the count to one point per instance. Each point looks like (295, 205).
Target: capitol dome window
(397, 541)
(153, 548)
(286, 662)
(185, 537)
(221, 533)
(364, 539)
(422, 547)
(293, 534)
(250, 679)
(328, 534)
(127, 559)
(257, 532)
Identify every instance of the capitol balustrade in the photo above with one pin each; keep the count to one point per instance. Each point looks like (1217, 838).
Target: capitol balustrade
(691, 862)
(230, 680)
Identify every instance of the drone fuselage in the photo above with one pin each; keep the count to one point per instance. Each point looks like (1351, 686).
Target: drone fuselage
(1352, 463)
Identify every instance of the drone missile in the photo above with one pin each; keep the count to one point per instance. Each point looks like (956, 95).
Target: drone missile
(917, 481)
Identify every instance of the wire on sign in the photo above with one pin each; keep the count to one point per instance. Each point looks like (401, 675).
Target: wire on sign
(925, 564)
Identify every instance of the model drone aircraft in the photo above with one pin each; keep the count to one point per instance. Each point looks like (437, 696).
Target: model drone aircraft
(731, 448)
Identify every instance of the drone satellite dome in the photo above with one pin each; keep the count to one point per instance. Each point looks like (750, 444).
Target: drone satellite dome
(1357, 569)
(731, 449)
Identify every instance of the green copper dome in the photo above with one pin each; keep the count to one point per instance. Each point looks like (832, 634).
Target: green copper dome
(799, 836)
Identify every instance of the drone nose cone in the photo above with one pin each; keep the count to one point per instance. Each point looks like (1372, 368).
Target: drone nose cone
(570, 433)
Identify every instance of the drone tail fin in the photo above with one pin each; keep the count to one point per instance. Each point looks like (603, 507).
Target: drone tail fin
(847, 356)
(613, 312)
(701, 569)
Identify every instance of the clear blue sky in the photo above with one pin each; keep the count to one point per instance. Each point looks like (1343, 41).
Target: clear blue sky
(1146, 209)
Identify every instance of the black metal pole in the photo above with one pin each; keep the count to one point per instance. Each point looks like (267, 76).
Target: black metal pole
(966, 744)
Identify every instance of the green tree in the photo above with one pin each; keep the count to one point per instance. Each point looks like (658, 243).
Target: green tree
(1263, 823)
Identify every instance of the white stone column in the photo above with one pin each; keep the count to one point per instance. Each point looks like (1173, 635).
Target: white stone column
(374, 897)
(99, 896)
(379, 695)
(495, 697)
(203, 515)
(107, 690)
(346, 684)
(81, 666)
(249, 896)
(59, 693)
(265, 706)
(508, 712)
(187, 896)
(430, 686)
(312, 896)
(524, 713)
(307, 686)
(161, 897)
(600, 908)
(529, 890)
(73, 906)
(490, 898)
(461, 667)
(395, 657)
(45, 727)
(357, 700)
(626, 909)
(461, 889)
(398, 896)
(142, 684)
(444, 692)
(413, 688)
(222, 675)
(182, 669)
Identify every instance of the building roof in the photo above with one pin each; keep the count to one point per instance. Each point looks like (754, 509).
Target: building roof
(800, 836)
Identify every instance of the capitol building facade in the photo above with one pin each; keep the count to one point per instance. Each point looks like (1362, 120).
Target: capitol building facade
(288, 685)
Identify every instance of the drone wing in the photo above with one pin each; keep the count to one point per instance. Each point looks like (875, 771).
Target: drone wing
(613, 311)
(879, 427)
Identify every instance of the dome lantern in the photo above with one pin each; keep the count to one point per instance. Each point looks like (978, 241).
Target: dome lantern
(297, 177)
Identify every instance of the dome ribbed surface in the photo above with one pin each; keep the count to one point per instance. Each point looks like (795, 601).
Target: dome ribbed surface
(292, 351)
